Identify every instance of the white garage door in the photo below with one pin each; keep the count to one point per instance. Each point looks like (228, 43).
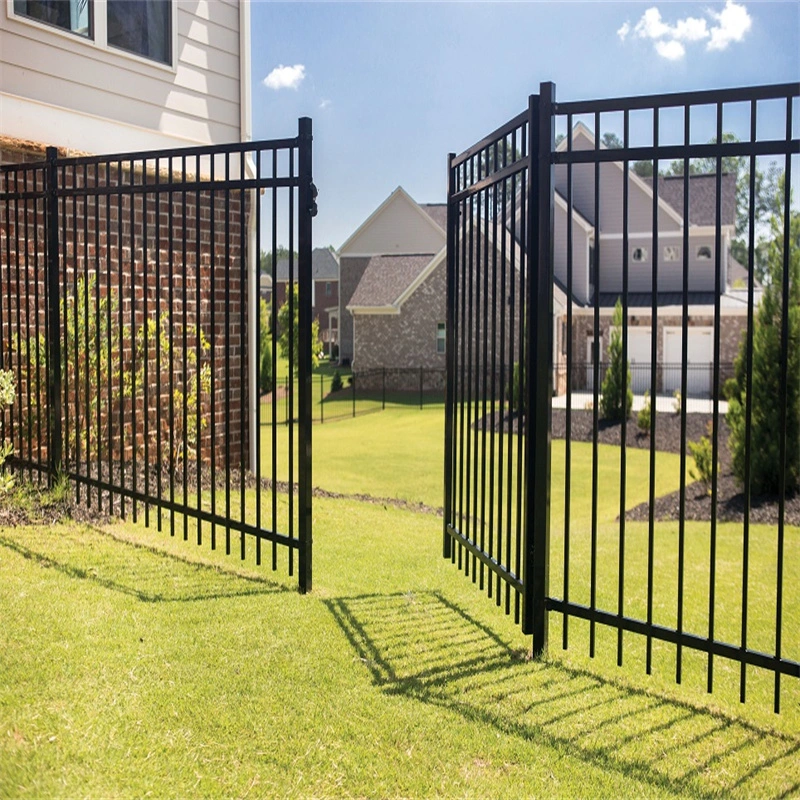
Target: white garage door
(639, 358)
(699, 360)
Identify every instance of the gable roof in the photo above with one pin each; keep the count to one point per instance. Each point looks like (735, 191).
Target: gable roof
(437, 212)
(399, 192)
(386, 279)
(324, 266)
(702, 196)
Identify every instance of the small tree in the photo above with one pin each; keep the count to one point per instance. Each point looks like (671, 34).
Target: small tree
(612, 403)
(289, 323)
(8, 393)
(264, 349)
(765, 466)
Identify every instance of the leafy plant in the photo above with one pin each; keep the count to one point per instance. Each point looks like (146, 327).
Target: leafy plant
(703, 455)
(617, 395)
(336, 381)
(516, 399)
(677, 401)
(289, 326)
(8, 393)
(265, 348)
(643, 417)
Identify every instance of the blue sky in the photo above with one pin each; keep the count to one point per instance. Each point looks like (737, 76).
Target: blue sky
(393, 87)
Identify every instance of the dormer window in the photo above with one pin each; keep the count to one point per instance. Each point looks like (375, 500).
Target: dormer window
(704, 253)
(639, 254)
(74, 16)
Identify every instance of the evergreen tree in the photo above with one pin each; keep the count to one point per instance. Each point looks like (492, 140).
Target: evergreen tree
(286, 325)
(765, 433)
(612, 404)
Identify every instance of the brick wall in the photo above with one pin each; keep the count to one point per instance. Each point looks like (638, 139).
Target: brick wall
(143, 259)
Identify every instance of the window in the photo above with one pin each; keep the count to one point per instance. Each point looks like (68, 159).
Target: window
(142, 27)
(441, 337)
(672, 252)
(704, 253)
(639, 254)
(70, 15)
(328, 288)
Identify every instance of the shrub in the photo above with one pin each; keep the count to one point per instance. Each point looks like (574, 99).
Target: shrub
(613, 404)
(265, 349)
(334, 352)
(677, 401)
(703, 455)
(336, 382)
(515, 399)
(7, 394)
(291, 322)
(643, 417)
(765, 466)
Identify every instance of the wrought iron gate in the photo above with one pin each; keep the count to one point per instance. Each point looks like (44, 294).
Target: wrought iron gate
(581, 221)
(131, 320)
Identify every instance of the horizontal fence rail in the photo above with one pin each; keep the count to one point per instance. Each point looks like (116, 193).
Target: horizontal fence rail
(129, 319)
(665, 256)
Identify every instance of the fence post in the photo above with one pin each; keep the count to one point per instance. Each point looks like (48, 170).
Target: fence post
(353, 390)
(383, 397)
(421, 378)
(538, 402)
(321, 402)
(55, 450)
(306, 210)
(450, 339)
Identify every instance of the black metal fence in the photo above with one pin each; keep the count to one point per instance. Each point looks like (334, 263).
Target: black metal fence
(128, 316)
(647, 203)
(358, 393)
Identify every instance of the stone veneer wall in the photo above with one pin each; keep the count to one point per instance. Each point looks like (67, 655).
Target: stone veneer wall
(351, 270)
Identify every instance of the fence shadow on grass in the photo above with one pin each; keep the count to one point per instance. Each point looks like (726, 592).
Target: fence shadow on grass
(423, 646)
(147, 573)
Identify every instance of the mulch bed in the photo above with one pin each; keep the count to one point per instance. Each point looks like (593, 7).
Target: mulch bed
(730, 498)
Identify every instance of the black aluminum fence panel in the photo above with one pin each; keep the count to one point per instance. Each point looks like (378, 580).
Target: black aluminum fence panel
(130, 320)
(703, 268)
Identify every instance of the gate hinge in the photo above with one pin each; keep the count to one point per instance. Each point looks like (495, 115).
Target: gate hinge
(312, 209)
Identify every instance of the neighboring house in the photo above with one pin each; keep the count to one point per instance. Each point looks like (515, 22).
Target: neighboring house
(324, 293)
(392, 289)
(608, 236)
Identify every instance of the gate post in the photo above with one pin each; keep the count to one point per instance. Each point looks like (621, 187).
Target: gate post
(307, 209)
(55, 445)
(539, 367)
(450, 346)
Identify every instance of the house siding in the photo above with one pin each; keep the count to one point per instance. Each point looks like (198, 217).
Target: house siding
(197, 101)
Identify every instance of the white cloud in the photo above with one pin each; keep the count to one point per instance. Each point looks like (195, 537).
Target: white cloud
(325, 103)
(285, 77)
(672, 50)
(729, 25)
(650, 26)
(733, 23)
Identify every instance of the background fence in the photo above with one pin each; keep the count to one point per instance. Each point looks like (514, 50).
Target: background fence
(361, 393)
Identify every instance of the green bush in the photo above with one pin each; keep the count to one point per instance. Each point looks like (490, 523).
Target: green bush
(8, 393)
(703, 455)
(264, 349)
(677, 401)
(613, 404)
(765, 466)
(643, 417)
(336, 381)
(515, 399)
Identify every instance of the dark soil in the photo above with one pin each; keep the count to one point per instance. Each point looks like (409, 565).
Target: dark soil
(730, 497)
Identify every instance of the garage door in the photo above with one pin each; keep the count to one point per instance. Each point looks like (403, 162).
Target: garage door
(639, 358)
(699, 361)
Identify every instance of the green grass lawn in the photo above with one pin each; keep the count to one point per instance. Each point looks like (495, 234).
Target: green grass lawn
(133, 663)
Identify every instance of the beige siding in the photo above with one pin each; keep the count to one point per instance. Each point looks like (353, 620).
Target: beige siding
(400, 227)
(580, 258)
(198, 100)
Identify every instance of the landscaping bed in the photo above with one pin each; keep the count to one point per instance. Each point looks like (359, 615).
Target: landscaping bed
(730, 498)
